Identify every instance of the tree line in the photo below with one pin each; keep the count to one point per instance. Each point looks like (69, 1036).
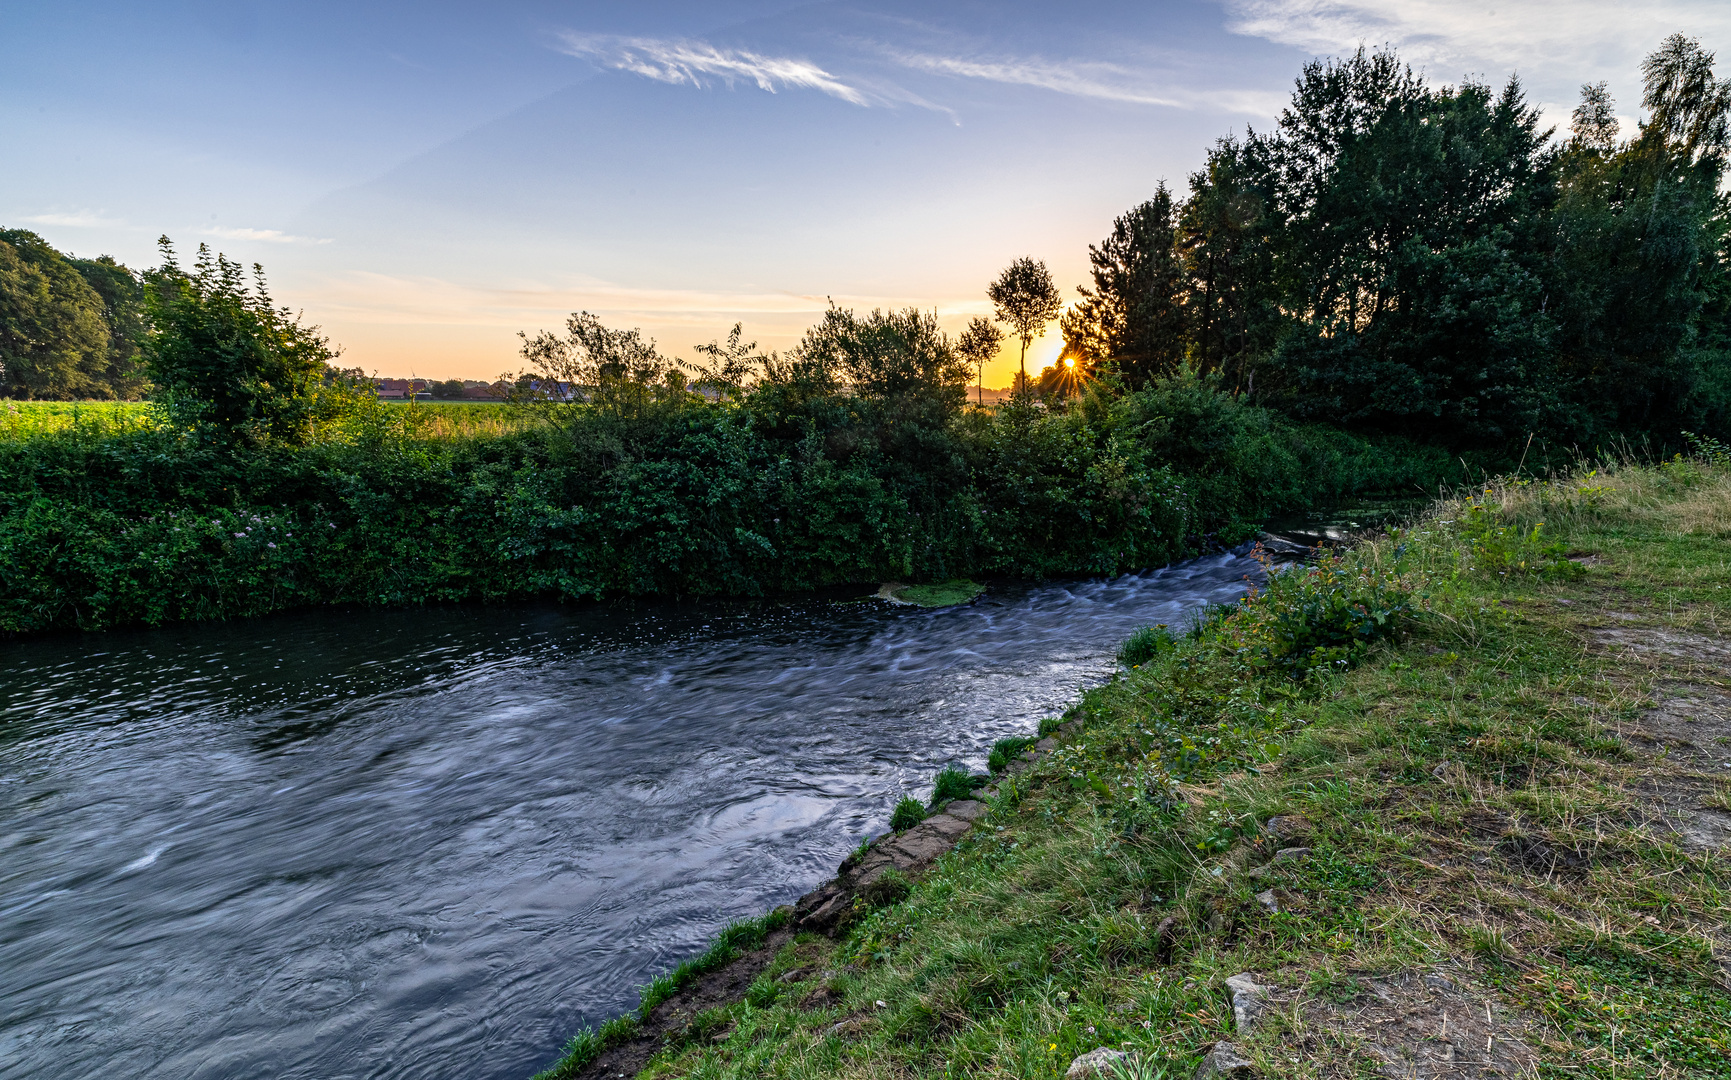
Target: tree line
(69, 327)
(1393, 256)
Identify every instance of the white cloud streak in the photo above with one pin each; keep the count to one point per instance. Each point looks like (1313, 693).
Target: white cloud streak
(267, 236)
(80, 219)
(695, 62)
(1098, 80)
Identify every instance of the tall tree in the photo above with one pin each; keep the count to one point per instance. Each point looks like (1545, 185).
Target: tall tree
(54, 342)
(1688, 107)
(122, 296)
(977, 345)
(1025, 297)
(1233, 309)
(1134, 316)
(1594, 122)
(1407, 226)
(1639, 285)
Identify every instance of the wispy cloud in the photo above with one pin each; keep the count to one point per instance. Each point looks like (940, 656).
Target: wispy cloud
(268, 236)
(697, 62)
(1084, 79)
(78, 219)
(1100, 80)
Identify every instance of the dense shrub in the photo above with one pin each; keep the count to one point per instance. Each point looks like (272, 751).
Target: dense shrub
(110, 525)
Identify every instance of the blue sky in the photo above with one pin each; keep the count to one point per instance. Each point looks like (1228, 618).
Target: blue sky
(424, 180)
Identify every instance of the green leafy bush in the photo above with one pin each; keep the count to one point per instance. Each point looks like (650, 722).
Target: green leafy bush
(1501, 548)
(1323, 615)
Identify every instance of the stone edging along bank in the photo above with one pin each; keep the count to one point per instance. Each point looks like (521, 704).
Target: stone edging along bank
(864, 879)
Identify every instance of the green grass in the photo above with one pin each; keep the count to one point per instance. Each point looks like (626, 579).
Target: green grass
(430, 421)
(735, 939)
(953, 783)
(1433, 752)
(944, 594)
(908, 813)
(29, 419)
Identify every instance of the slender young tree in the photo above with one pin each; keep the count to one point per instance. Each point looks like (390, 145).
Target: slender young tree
(978, 344)
(1594, 122)
(1026, 299)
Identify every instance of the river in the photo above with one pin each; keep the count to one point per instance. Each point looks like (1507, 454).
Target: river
(432, 843)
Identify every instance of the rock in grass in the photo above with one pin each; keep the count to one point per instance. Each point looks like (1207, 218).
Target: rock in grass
(1248, 1000)
(1098, 1063)
(1288, 830)
(1226, 1061)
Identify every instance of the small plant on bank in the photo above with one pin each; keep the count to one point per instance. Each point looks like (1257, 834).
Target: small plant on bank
(908, 813)
(1005, 751)
(1145, 644)
(953, 784)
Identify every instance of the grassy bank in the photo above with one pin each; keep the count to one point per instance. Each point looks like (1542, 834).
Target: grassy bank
(1494, 753)
(112, 516)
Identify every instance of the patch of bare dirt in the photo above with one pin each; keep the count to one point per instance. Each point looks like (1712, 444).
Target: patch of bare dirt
(1417, 1025)
(1686, 731)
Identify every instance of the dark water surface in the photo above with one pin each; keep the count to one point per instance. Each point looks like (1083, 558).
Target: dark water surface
(431, 844)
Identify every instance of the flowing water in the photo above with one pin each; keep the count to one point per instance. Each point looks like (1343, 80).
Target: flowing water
(431, 844)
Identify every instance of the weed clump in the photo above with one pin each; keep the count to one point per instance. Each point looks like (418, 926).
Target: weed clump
(1007, 750)
(908, 813)
(1145, 644)
(954, 784)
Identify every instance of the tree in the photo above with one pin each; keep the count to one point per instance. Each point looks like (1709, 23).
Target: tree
(978, 344)
(449, 390)
(888, 355)
(122, 296)
(1134, 317)
(1639, 286)
(1026, 299)
(222, 356)
(1233, 315)
(1688, 107)
(1408, 233)
(1594, 121)
(727, 367)
(54, 342)
(617, 371)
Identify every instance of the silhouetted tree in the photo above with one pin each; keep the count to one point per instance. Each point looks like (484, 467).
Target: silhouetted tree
(1594, 121)
(1134, 316)
(1026, 299)
(977, 345)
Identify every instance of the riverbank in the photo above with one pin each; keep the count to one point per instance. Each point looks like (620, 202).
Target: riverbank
(1456, 800)
(118, 518)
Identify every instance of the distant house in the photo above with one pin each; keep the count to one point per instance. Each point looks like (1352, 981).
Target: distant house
(401, 389)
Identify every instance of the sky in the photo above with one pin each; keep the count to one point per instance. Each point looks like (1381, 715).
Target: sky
(424, 181)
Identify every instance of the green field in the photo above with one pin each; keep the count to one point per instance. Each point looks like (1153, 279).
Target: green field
(432, 420)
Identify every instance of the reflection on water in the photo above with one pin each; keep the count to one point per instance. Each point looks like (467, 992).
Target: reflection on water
(434, 843)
